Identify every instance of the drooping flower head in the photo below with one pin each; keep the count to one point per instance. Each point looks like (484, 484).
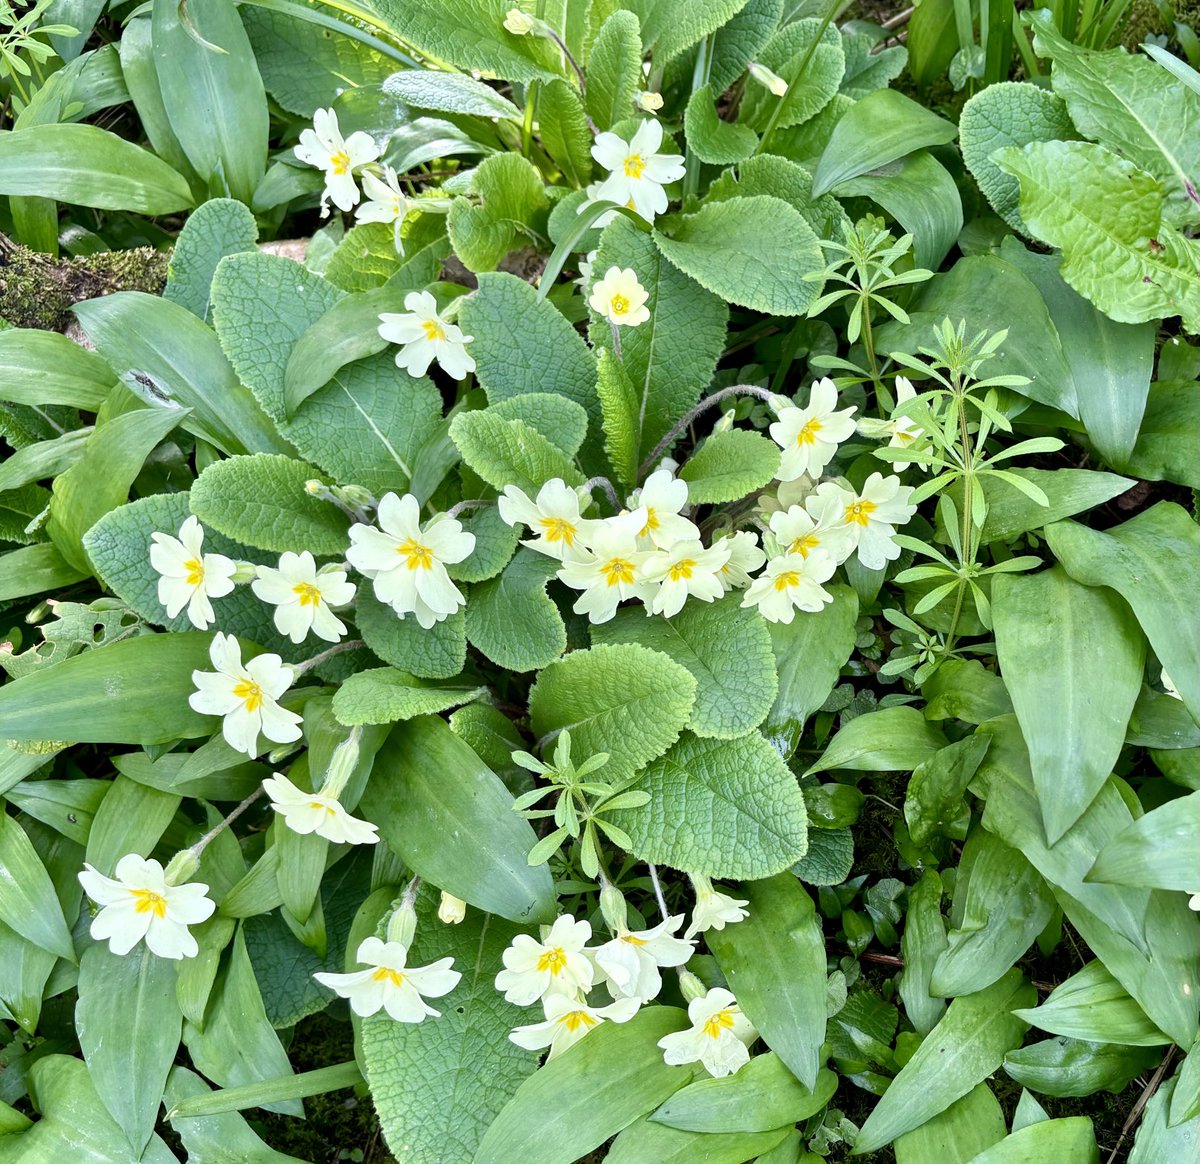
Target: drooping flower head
(900, 432)
(719, 1036)
(388, 983)
(386, 202)
(139, 904)
(302, 596)
(406, 561)
(810, 436)
(555, 965)
(246, 695)
(323, 146)
(714, 910)
(553, 518)
(190, 577)
(620, 298)
(638, 172)
(317, 812)
(424, 336)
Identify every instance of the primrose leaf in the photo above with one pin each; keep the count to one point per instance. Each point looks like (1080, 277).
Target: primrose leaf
(512, 620)
(729, 465)
(510, 452)
(511, 194)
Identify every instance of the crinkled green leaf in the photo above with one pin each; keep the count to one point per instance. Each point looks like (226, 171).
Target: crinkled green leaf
(781, 178)
(1012, 113)
(512, 620)
(385, 695)
(724, 808)
(449, 93)
(510, 193)
(752, 251)
(807, 93)
(495, 541)
(1106, 216)
(729, 465)
(510, 452)
(437, 653)
(213, 230)
(626, 700)
(559, 419)
(866, 70)
(829, 858)
(619, 412)
(669, 27)
(614, 70)
(726, 648)
(739, 41)
(565, 132)
(710, 138)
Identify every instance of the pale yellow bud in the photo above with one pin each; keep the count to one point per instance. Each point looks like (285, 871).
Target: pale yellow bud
(519, 23)
(650, 102)
(451, 909)
(769, 80)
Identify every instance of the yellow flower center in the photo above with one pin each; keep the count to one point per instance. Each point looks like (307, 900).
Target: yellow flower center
(808, 434)
(554, 960)
(250, 693)
(309, 594)
(387, 974)
(329, 809)
(150, 902)
(803, 544)
(652, 522)
(575, 1019)
(859, 512)
(618, 305)
(419, 557)
(433, 330)
(721, 1021)
(195, 571)
(339, 163)
(617, 570)
(635, 166)
(558, 529)
(787, 579)
(682, 569)
(633, 940)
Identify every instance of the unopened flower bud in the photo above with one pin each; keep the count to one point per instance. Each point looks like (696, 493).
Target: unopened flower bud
(451, 909)
(355, 496)
(276, 757)
(519, 23)
(725, 422)
(243, 573)
(612, 906)
(650, 101)
(182, 867)
(690, 986)
(402, 925)
(341, 764)
(768, 79)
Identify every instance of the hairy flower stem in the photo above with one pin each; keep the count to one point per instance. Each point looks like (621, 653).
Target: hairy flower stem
(658, 893)
(317, 660)
(703, 406)
(607, 486)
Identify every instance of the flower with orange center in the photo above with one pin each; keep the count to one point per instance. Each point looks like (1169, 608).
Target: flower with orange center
(324, 147)
(139, 904)
(568, 1020)
(809, 437)
(424, 335)
(555, 965)
(303, 595)
(388, 983)
(406, 561)
(552, 517)
(246, 696)
(190, 577)
(719, 1036)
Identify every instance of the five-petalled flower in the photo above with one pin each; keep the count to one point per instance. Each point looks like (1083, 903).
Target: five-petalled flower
(390, 984)
(901, 432)
(801, 530)
(424, 336)
(568, 1020)
(686, 570)
(810, 436)
(406, 561)
(323, 146)
(791, 582)
(385, 202)
(745, 557)
(638, 172)
(246, 695)
(620, 298)
(719, 1036)
(302, 596)
(317, 812)
(552, 517)
(869, 517)
(555, 965)
(630, 962)
(138, 903)
(662, 497)
(190, 577)
(609, 571)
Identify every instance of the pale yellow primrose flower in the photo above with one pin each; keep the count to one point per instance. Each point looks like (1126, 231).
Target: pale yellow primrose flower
(650, 101)
(629, 964)
(686, 570)
(518, 22)
(638, 172)
(620, 298)
(553, 518)
(190, 577)
(451, 910)
(800, 532)
(718, 1037)
(662, 497)
(555, 965)
(246, 695)
(870, 518)
(139, 904)
(386, 202)
(901, 432)
(745, 557)
(302, 596)
(567, 1021)
(810, 436)
(390, 984)
(406, 561)
(323, 146)
(610, 570)
(424, 336)
(314, 812)
(714, 910)
(790, 583)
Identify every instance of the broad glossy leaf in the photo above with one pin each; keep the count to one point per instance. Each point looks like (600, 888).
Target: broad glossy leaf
(921, 944)
(775, 963)
(964, 1048)
(958, 1134)
(1156, 1139)
(27, 899)
(895, 739)
(726, 648)
(1160, 850)
(934, 800)
(43, 367)
(450, 819)
(1072, 660)
(130, 819)
(1153, 562)
(600, 1086)
(1170, 424)
(646, 1140)
(1063, 1066)
(129, 1025)
(1070, 1139)
(1069, 491)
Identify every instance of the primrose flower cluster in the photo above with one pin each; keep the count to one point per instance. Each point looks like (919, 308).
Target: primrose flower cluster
(562, 972)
